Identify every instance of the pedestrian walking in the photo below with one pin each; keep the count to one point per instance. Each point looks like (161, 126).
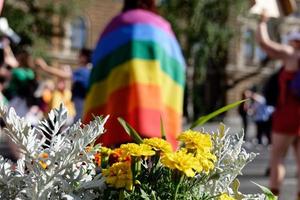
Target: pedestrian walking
(261, 114)
(138, 74)
(243, 111)
(286, 118)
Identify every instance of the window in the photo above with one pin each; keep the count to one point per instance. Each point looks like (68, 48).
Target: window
(253, 54)
(249, 46)
(78, 33)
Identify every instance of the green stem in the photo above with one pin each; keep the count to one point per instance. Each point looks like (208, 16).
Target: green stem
(122, 195)
(153, 195)
(135, 167)
(177, 187)
(154, 161)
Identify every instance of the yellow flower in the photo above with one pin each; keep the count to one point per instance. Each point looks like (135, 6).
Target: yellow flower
(196, 140)
(88, 149)
(97, 159)
(43, 164)
(206, 160)
(119, 175)
(202, 143)
(44, 155)
(43, 159)
(158, 144)
(182, 161)
(137, 150)
(118, 155)
(105, 151)
(226, 197)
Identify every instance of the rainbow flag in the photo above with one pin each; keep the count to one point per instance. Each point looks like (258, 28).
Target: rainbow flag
(139, 75)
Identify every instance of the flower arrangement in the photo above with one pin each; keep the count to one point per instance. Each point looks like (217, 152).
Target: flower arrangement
(61, 162)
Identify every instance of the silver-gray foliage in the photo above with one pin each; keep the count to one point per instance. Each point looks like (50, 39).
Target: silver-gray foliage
(231, 159)
(54, 163)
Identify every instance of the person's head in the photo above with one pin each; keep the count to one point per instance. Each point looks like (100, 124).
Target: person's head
(149, 5)
(49, 85)
(5, 70)
(61, 84)
(84, 56)
(294, 39)
(23, 58)
(246, 94)
(5, 74)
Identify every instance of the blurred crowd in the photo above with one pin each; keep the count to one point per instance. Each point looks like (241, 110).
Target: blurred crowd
(146, 61)
(32, 87)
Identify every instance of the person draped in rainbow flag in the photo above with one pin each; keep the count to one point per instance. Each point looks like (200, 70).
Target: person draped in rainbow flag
(138, 75)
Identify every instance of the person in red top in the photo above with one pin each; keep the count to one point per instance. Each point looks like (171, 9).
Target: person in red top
(286, 119)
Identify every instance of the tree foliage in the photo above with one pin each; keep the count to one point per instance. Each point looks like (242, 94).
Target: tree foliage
(33, 20)
(205, 29)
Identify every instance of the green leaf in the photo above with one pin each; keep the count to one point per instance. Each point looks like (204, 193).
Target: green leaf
(215, 176)
(153, 195)
(235, 187)
(130, 131)
(202, 120)
(162, 129)
(144, 195)
(269, 195)
(222, 130)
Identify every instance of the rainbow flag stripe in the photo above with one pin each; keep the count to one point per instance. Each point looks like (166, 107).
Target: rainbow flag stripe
(139, 75)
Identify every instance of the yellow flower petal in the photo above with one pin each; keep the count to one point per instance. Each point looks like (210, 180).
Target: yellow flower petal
(158, 144)
(137, 150)
(119, 175)
(43, 164)
(225, 197)
(196, 140)
(182, 161)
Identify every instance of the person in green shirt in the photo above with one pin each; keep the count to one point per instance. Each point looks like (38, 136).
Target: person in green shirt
(22, 80)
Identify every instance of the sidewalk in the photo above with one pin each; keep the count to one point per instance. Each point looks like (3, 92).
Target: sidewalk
(255, 172)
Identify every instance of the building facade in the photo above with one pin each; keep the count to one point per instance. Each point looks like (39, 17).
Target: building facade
(249, 66)
(247, 62)
(83, 30)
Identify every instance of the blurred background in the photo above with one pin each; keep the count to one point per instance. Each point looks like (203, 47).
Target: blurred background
(217, 38)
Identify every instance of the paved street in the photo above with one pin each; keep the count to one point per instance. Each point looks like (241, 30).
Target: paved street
(255, 171)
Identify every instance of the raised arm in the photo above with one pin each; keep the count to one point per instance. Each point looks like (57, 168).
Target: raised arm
(61, 73)
(9, 57)
(273, 49)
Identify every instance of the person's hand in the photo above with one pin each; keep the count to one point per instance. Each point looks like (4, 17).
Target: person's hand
(264, 16)
(11, 61)
(41, 63)
(67, 69)
(9, 58)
